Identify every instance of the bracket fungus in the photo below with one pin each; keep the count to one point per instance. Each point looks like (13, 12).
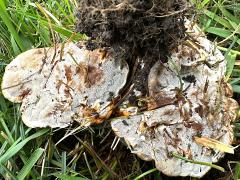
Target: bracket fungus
(62, 84)
(188, 110)
(189, 114)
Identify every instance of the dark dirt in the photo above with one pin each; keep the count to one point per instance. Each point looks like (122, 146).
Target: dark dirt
(136, 29)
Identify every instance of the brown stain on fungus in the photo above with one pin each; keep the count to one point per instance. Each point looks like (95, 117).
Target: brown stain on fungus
(90, 75)
(199, 110)
(159, 100)
(24, 93)
(227, 89)
(103, 54)
(94, 116)
(196, 126)
(95, 57)
(58, 85)
(94, 75)
(82, 71)
(67, 92)
(168, 112)
(68, 73)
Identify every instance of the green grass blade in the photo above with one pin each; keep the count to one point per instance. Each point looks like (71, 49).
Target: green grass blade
(99, 162)
(65, 32)
(69, 17)
(237, 172)
(69, 169)
(236, 88)
(88, 165)
(64, 162)
(234, 81)
(222, 33)
(235, 7)
(227, 50)
(15, 148)
(30, 163)
(146, 173)
(204, 2)
(48, 13)
(6, 129)
(229, 16)
(15, 47)
(218, 19)
(66, 177)
(3, 104)
(70, 7)
(198, 162)
(6, 19)
(231, 58)
(8, 171)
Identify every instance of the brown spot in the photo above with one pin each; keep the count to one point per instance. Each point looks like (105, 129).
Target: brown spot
(94, 75)
(81, 71)
(68, 73)
(185, 52)
(228, 89)
(58, 85)
(53, 111)
(48, 114)
(151, 133)
(206, 86)
(92, 115)
(159, 100)
(176, 142)
(184, 113)
(196, 126)
(67, 92)
(168, 112)
(142, 127)
(199, 110)
(24, 93)
(210, 117)
(231, 105)
(230, 109)
(89, 74)
(89, 112)
(94, 57)
(103, 54)
(194, 94)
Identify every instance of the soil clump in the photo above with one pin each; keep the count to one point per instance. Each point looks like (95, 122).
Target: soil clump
(140, 31)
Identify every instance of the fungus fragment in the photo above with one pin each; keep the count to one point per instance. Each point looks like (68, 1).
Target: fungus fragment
(62, 84)
(190, 101)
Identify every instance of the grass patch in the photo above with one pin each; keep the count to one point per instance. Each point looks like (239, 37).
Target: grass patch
(32, 153)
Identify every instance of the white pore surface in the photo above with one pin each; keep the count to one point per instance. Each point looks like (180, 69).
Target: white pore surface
(63, 84)
(193, 79)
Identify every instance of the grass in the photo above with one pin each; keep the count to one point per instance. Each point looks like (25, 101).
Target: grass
(38, 153)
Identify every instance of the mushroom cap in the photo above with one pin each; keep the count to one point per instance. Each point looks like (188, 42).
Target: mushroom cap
(190, 100)
(58, 85)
